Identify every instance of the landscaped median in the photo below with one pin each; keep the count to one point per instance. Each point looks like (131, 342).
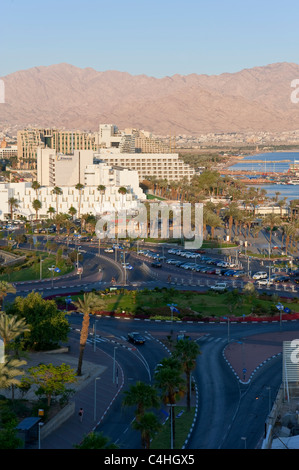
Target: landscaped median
(191, 306)
(34, 265)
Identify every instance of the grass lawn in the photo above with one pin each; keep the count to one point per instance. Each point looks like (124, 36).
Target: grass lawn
(182, 428)
(156, 301)
(31, 273)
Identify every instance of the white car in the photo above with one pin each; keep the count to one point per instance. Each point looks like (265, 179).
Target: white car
(108, 250)
(260, 275)
(219, 286)
(264, 282)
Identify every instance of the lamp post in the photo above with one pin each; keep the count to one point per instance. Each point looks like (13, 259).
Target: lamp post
(95, 398)
(40, 268)
(244, 439)
(40, 424)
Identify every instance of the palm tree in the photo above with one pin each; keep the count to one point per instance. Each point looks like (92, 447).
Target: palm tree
(187, 351)
(148, 425)
(142, 395)
(95, 440)
(51, 211)
(57, 191)
(79, 188)
(87, 305)
(36, 204)
(11, 327)
(5, 288)
(170, 382)
(230, 213)
(271, 221)
(13, 204)
(102, 190)
(9, 373)
(72, 211)
(122, 191)
(35, 185)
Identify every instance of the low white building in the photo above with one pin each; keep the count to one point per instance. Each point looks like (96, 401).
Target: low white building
(90, 200)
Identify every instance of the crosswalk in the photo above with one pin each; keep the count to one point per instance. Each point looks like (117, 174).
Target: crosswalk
(209, 338)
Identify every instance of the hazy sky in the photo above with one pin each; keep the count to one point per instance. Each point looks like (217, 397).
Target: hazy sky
(156, 38)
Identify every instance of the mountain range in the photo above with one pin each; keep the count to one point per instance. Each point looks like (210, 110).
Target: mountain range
(65, 96)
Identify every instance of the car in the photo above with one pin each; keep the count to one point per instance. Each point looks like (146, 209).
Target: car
(281, 279)
(260, 275)
(156, 264)
(127, 266)
(211, 271)
(170, 261)
(264, 282)
(219, 287)
(135, 338)
(239, 274)
(229, 272)
(108, 250)
(296, 280)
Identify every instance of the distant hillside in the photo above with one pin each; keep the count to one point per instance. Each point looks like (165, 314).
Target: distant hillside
(62, 95)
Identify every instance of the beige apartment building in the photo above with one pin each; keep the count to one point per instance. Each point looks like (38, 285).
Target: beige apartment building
(28, 140)
(161, 165)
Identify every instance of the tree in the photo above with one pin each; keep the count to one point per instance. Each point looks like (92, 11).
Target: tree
(79, 188)
(35, 185)
(87, 305)
(270, 221)
(95, 440)
(48, 325)
(169, 381)
(72, 211)
(13, 204)
(37, 205)
(10, 371)
(51, 380)
(148, 425)
(57, 191)
(5, 288)
(187, 351)
(102, 190)
(51, 211)
(11, 327)
(143, 396)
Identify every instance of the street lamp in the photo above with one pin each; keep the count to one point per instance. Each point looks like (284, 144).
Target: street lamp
(40, 424)
(40, 268)
(95, 397)
(244, 439)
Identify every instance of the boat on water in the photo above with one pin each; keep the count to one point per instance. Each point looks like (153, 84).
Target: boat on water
(293, 181)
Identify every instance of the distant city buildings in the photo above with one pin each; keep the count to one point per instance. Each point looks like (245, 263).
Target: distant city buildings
(7, 151)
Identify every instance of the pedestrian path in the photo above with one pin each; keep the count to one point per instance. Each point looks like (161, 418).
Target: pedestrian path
(95, 398)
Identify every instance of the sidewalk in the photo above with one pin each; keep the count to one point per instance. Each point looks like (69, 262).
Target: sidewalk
(73, 430)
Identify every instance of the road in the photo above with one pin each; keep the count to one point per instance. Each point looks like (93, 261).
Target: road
(228, 409)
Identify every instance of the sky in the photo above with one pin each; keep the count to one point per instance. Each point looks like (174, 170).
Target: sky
(157, 38)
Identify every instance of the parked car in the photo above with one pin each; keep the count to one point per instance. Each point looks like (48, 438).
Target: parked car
(281, 279)
(156, 264)
(108, 250)
(260, 275)
(135, 338)
(219, 287)
(239, 274)
(264, 282)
